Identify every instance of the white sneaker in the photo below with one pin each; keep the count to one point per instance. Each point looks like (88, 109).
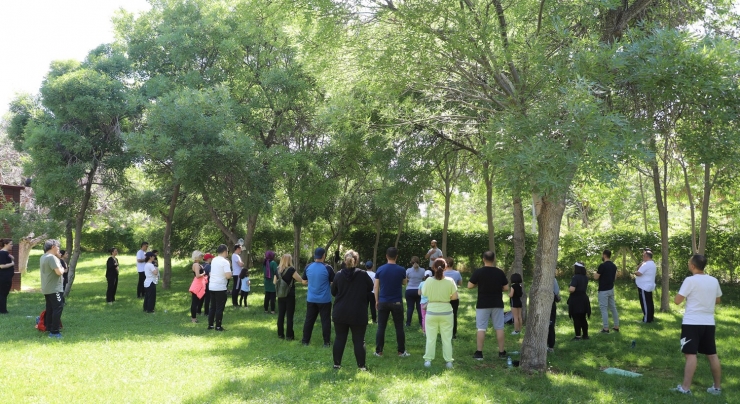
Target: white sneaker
(403, 354)
(427, 364)
(515, 332)
(449, 365)
(714, 391)
(679, 389)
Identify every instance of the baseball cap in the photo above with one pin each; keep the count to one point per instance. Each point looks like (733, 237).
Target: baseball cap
(208, 256)
(318, 253)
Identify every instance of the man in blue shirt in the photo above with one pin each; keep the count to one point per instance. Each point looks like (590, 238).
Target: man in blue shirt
(389, 281)
(318, 277)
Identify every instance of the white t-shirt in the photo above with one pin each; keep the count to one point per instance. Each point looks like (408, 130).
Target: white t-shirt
(149, 269)
(235, 268)
(371, 274)
(646, 282)
(435, 254)
(140, 255)
(701, 293)
(219, 268)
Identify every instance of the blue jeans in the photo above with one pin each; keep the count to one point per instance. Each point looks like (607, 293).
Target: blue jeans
(385, 310)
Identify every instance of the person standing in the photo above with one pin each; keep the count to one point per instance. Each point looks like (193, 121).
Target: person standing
(218, 279)
(701, 293)
(63, 257)
(199, 276)
(433, 254)
(579, 305)
(350, 289)
(489, 307)
(7, 271)
(389, 280)
(286, 305)
(111, 275)
(645, 281)
(452, 273)
(318, 276)
(270, 268)
(606, 274)
(371, 295)
(440, 291)
(553, 316)
(205, 303)
(150, 282)
(140, 264)
(415, 276)
(236, 270)
(51, 286)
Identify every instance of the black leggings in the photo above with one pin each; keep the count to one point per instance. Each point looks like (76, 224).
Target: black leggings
(110, 293)
(341, 331)
(551, 328)
(286, 310)
(371, 303)
(195, 304)
(243, 297)
(580, 324)
(413, 300)
(150, 298)
(5, 287)
(270, 300)
(140, 285)
(455, 305)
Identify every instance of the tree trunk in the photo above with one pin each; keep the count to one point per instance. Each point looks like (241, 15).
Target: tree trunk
(69, 228)
(519, 246)
(692, 206)
(445, 226)
(708, 184)
(251, 228)
(401, 224)
(378, 222)
(489, 207)
(166, 245)
(297, 245)
(79, 220)
(24, 251)
(534, 346)
(661, 204)
(644, 203)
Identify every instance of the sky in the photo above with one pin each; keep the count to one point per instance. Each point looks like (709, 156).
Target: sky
(33, 33)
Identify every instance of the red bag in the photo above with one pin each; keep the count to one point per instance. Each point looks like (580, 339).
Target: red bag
(40, 322)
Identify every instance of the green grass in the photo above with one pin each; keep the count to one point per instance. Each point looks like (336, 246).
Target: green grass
(113, 354)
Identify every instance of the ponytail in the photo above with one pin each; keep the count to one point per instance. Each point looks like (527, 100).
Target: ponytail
(439, 268)
(350, 259)
(4, 242)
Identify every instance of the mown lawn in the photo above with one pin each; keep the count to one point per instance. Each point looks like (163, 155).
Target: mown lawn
(113, 354)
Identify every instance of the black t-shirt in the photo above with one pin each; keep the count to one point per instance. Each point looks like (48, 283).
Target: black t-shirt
(350, 290)
(6, 274)
(580, 282)
(288, 278)
(111, 267)
(490, 281)
(518, 292)
(608, 272)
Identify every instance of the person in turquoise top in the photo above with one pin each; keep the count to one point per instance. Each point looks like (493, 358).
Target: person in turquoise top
(270, 268)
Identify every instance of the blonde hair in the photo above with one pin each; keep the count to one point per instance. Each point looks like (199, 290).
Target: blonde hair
(286, 261)
(351, 259)
(197, 254)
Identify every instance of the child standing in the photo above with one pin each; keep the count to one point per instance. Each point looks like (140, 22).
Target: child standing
(246, 286)
(515, 294)
(424, 302)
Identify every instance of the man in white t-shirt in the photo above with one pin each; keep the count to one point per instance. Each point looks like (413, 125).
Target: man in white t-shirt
(140, 266)
(236, 270)
(218, 279)
(433, 254)
(702, 293)
(645, 281)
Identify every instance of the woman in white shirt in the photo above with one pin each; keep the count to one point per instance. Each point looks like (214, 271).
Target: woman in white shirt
(150, 282)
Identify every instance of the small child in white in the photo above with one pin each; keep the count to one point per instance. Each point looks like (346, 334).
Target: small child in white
(702, 293)
(246, 286)
(424, 302)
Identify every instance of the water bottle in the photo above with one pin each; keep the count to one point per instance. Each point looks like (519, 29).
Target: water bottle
(508, 361)
(633, 344)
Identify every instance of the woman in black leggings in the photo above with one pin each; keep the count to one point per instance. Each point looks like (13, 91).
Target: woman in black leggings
(579, 306)
(198, 272)
(111, 275)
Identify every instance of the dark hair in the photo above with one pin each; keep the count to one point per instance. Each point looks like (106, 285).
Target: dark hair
(237, 246)
(110, 250)
(391, 252)
(489, 256)
(699, 261)
(516, 278)
(221, 248)
(439, 268)
(449, 261)
(649, 253)
(607, 253)
(62, 252)
(148, 255)
(579, 268)
(4, 241)
(144, 243)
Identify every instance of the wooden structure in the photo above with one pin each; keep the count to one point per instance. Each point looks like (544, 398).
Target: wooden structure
(12, 193)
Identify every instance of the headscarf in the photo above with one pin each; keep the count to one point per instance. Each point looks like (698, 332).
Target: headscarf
(269, 257)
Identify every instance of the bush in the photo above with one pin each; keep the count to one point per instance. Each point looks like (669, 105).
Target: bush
(100, 240)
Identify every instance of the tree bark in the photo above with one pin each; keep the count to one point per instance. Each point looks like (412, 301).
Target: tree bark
(378, 222)
(446, 225)
(296, 244)
(79, 220)
(661, 204)
(534, 346)
(69, 227)
(644, 203)
(519, 241)
(703, 224)
(166, 244)
(248, 240)
(692, 206)
(488, 175)
(401, 224)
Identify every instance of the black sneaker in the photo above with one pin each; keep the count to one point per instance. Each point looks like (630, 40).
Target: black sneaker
(220, 329)
(478, 355)
(585, 337)
(502, 355)
(604, 331)
(615, 329)
(327, 345)
(210, 327)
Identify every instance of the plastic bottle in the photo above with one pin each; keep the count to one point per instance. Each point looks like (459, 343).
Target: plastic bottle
(508, 361)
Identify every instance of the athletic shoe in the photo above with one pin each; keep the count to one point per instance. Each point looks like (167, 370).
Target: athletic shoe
(604, 331)
(403, 354)
(220, 329)
(585, 337)
(615, 329)
(679, 389)
(327, 345)
(478, 355)
(427, 364)
(337, 367)
(576, 339)
(714, 391)
(362, 369)
(449, 365)
(502, 355)
(515, 332)
(551, 350)
(380, 354)
(304, 343)
(57, 335)
(454, 337)
(210, 327)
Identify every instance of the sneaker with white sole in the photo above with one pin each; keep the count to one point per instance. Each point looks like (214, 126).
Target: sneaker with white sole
(515, 332)
(428, 364)
(380, 354)
(478, 355)
(714, 391)
(403, 354)
(449, 365)
(679, 389)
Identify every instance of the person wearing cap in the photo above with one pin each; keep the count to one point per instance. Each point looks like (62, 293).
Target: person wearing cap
(140, 264)
(150, 282)
(645, 281)
(579, 305)
(371, 294)
(318, 276)
(218, 279)
(433, 254)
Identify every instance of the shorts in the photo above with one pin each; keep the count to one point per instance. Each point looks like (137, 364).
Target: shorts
(698, 339)
(482, 317)
(516, 302)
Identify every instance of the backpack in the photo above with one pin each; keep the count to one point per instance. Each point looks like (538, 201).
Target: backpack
(283, 288)
(40, 322)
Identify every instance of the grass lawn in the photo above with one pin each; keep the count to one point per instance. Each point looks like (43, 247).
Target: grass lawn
(113, 354)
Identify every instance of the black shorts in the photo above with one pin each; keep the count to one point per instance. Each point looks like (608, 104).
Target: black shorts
(698, 339)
